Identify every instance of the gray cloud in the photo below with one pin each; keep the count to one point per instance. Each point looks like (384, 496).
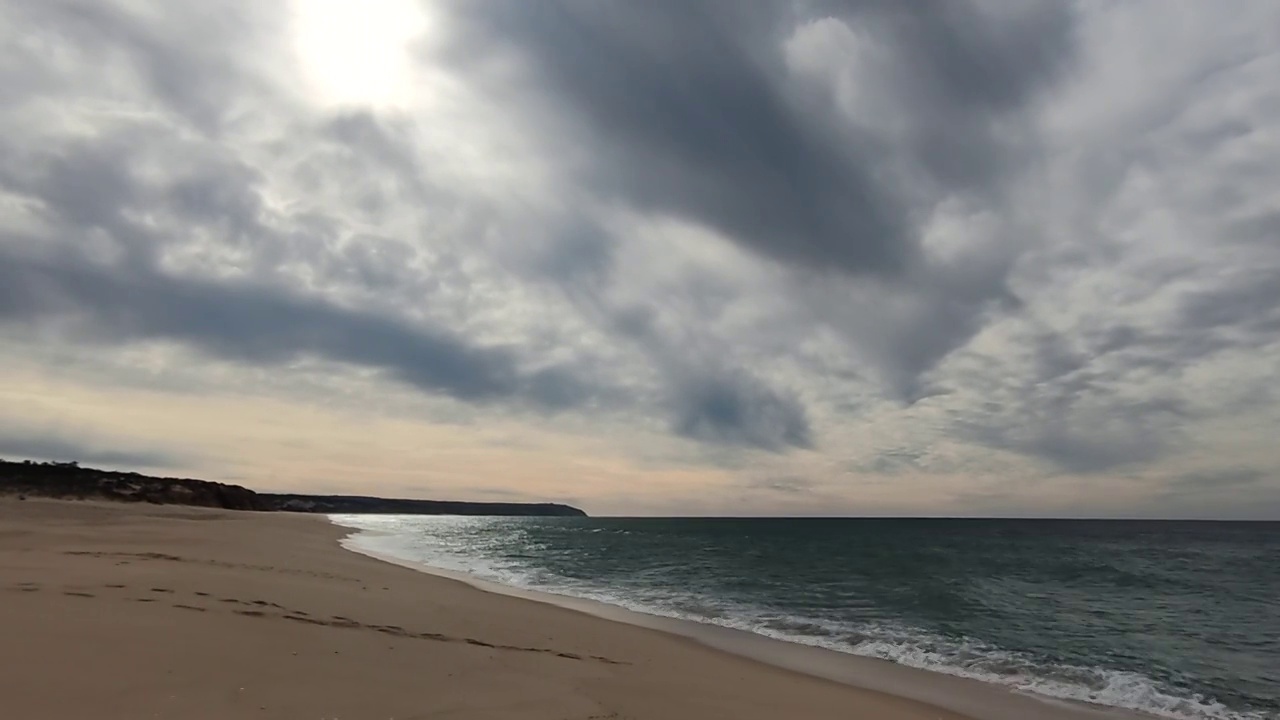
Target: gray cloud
(1077, 447)
(1227, 479)
(692, 115)
(20, 444)
(178, 54)
(702, 113)
(750, 224)
(256, 324)
(783, 485)
(256, 318)
(736, 409)
(1248, 303)
(1061, 404)
(102, 270)
(1112, 394)
(1232, 492)
(710, 398)
(688, 121)
(892, 461)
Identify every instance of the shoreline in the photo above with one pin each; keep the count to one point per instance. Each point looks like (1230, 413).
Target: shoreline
(969, 697)
(121, 611)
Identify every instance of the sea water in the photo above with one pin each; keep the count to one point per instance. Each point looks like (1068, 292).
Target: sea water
(1177, 619)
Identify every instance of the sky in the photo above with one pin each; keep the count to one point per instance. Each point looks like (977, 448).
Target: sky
(798, 257)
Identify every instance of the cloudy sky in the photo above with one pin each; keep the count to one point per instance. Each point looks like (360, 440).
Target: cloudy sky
(715, 257)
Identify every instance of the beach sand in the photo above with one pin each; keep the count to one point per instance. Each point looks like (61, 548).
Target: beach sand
(141, 611)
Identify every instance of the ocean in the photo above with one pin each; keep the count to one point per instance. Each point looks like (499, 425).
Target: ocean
(1177, 619)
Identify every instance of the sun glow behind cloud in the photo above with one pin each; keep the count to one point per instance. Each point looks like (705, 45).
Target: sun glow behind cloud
(357, 54)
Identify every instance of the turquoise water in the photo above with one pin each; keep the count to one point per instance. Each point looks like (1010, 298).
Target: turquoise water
(1180, 619)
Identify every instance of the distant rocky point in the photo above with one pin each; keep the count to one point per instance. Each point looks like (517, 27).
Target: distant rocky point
(72, 482)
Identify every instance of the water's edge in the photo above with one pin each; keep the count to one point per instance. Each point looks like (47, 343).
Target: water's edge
(967, 696)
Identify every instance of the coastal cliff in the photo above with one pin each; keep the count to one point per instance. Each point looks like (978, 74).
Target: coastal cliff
(70, 481)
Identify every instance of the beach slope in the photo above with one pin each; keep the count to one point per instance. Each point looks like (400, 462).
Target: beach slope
(141, 611)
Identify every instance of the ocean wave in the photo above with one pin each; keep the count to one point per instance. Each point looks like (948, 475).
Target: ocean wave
(1101, 686)
(898, 643)
(976, 660)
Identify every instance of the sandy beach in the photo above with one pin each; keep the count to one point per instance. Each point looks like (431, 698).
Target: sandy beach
(142, 611)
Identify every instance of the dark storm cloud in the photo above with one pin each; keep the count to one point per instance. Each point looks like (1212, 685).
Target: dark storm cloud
(86, 185)
(960, 75)
(710, 398)
(692, 115)
(691, 110)
(736, 409)
(264, 325)
(1248, 304)
(905, 330)
(18, 444)
(689, 122)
